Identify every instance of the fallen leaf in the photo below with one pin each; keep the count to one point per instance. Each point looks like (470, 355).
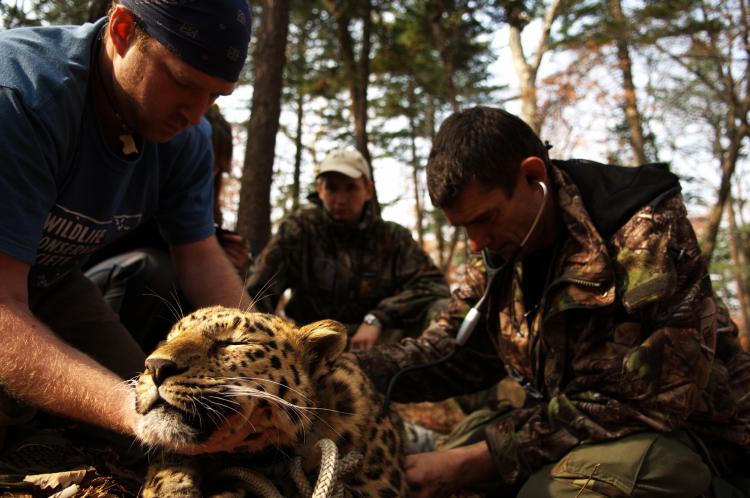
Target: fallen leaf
(58, 479)
(67, 492)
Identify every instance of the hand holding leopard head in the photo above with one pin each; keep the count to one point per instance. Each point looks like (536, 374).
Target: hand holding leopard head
(256, 383)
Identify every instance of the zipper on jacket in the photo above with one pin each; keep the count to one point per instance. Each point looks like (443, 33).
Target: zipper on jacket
(582, 283)
(535, 340)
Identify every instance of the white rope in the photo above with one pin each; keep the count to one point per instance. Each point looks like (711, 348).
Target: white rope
(329, 455)
(333, 471)
(254, 481)
(300, 479)
(330, 483)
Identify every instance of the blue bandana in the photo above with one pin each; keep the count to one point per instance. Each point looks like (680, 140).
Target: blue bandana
(210, 35)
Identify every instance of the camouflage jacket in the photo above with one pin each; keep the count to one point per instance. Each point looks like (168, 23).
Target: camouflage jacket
(343, 271)
(629, 337)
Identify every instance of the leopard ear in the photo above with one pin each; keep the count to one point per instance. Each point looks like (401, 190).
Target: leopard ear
(323, 341)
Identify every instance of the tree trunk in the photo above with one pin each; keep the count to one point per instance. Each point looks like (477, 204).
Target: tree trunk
(299, 69)
(362, 81)
(739, 266)
(448, 260)
(437, 220)
(442, 38)
(357, 74)
(728, 165)
(254, 213)
(296, 187)
(633, 116)
(734, 90)
(527, 70)
(418, 214)
(443, 45)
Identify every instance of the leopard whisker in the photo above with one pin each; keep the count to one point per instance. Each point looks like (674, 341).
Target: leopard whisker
(199, 393)
(197, 412)
(171, 305)
(196, 404)
(302, 411)
(176, 296)
(238, 390)
(212, 398)
(217, 400)
(260, 379)
(326, 423)
(215, 415)
(263, 293)
(255, 393)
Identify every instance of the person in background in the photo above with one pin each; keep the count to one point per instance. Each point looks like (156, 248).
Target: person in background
(102, 129)
(595, 297)
(343, 262)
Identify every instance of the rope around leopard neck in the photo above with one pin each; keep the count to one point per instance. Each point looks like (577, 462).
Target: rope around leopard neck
(330, 479)
(255, 482)
(333, 471)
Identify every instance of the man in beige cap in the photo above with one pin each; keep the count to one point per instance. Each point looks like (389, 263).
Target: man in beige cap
(343, 261)
(344, 185)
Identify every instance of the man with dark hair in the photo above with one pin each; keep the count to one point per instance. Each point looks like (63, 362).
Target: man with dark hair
(102, 128)
(594, 296)
(344, 262)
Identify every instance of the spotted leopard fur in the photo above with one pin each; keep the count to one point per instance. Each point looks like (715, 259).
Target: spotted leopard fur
(292, 384)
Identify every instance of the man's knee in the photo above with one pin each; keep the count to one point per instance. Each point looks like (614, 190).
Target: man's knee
(647, 464)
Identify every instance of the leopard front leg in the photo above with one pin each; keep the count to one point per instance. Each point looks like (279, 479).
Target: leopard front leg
(181, 480)
(184, 480)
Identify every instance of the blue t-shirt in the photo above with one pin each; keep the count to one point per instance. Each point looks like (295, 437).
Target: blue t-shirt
(63, 192)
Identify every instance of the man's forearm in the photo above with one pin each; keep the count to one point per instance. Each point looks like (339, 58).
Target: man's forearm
(42, 370)
(207, 277)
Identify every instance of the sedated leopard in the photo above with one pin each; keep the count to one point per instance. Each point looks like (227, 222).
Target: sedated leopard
(291, 383)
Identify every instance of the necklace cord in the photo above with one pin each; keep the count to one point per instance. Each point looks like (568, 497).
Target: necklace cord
(97, 68)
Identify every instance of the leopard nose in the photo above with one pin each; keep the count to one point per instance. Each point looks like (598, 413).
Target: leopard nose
(161, 369)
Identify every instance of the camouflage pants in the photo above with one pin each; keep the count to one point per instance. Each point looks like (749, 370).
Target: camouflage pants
(647, 464)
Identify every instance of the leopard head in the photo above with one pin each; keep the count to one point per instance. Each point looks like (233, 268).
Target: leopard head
(224, 367)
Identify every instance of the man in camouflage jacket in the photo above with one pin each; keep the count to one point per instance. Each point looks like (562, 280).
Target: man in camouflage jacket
(636, 384)
(344, 262)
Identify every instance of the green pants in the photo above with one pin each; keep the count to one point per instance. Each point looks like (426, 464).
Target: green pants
(647, 464)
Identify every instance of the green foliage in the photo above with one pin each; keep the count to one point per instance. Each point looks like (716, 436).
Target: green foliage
(36, 12)
(518, 13)
(589, 22)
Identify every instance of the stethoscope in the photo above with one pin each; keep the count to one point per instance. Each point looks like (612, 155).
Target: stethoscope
(474, 314)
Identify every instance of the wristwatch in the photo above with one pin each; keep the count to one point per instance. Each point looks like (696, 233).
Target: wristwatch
(371, 319)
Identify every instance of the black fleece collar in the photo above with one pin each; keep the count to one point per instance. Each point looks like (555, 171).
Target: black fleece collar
(612, 194)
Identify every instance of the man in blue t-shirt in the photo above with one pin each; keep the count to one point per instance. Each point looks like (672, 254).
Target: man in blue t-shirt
(101, 128)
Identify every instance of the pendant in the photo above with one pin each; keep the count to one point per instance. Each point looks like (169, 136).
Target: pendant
(128, 144)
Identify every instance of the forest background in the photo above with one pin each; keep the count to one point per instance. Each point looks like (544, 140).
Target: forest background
(618, 81)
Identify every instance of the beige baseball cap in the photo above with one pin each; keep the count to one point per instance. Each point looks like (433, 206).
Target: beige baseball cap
(348, 162)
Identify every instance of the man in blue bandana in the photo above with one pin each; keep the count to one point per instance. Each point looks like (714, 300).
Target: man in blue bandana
(101, 128)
